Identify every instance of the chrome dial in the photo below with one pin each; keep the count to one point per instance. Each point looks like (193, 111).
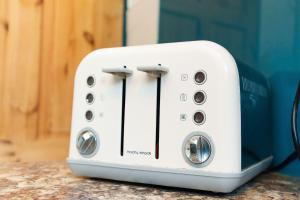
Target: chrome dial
(197, 149)
(87, 143)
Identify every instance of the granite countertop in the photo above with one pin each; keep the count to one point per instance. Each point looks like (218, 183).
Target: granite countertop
(54, 180)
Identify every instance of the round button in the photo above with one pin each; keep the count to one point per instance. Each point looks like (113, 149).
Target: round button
(200, 77)
(89, 115)
(199, 97)
(199, 117)
(90, 81)
(87, 143)
(89, 98)
(197, 149)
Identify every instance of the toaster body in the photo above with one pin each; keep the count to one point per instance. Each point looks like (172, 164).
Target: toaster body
(178, 114)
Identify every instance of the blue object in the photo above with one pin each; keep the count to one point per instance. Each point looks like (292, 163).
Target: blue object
(255, 116)
(284, 85)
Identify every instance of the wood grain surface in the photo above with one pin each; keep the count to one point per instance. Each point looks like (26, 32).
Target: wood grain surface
(41, 45)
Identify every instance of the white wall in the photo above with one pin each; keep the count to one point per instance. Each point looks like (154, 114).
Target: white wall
(142, 22)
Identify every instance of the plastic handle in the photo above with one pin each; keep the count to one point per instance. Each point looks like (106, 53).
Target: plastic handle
(156, 71)
(120, 71)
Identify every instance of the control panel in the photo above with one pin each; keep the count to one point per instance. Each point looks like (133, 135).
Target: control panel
(197, 147)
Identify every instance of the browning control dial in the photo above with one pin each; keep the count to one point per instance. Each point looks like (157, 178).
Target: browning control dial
(87, 143)
(197, 149)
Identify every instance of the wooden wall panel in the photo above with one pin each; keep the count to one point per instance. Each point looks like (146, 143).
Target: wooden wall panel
(108, 23)
(3, 35)
(21, 73)
(56, 71)
(68, 35)
(41, 45)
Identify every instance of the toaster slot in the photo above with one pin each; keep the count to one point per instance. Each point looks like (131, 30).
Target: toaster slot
(123, 115)
(157, 117)
(122, 73)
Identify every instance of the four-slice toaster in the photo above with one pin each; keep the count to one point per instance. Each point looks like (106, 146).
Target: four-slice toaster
(178, 114)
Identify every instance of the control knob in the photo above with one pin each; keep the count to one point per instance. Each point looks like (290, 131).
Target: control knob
(197, 149)
(87, 143)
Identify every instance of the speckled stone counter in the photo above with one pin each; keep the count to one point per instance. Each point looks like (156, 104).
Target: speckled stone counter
(54, 180)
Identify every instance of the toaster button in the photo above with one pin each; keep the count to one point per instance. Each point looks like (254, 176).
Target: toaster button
(197, 149)
(89, 115)
(89, 98)
(90, 81)
(200, 77)
(199, 117)
(199, 97)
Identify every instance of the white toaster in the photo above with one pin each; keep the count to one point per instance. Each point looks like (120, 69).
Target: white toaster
(178, 114)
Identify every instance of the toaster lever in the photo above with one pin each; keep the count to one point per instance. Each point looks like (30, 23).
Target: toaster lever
(118, 71)
(123, 73)
(155, 70)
